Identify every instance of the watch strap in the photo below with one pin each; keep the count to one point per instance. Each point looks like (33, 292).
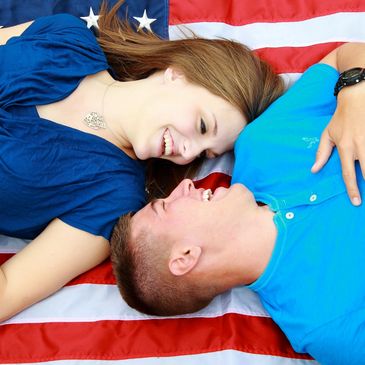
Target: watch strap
(342, 82)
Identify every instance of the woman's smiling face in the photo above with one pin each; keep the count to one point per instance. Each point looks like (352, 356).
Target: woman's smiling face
(181, 121)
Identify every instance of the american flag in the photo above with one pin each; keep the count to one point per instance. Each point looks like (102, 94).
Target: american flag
(86, 322)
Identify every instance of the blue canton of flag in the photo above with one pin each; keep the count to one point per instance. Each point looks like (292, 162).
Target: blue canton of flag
(146, 14)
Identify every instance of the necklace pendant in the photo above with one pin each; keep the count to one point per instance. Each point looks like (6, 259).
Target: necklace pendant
(95, 121)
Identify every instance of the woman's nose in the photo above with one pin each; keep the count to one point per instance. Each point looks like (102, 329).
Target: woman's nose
(191, 151)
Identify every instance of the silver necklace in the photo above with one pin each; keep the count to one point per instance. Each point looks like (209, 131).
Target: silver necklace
(94, 120)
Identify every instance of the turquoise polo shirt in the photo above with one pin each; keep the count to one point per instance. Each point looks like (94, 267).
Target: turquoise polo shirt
(314, 284)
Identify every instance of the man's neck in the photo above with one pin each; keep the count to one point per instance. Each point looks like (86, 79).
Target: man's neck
(255, 244)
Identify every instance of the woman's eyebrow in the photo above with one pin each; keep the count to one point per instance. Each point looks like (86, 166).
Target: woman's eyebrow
(215, 130)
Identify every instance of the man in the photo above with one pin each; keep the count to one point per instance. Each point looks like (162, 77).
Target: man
(290, 235)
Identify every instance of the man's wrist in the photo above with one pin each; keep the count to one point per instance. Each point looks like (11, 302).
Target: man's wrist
(350, 77)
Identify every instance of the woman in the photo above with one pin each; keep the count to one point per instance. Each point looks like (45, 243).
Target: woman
(78, 113)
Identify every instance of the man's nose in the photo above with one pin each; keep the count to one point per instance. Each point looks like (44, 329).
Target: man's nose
(181, 190)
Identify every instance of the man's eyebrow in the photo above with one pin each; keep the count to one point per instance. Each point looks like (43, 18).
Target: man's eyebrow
(161, 205)
(153, 203)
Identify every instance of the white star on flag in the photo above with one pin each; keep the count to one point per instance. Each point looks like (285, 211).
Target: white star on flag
(91, 19)
(145, 21)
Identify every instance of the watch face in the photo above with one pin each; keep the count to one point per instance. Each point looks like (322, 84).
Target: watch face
(348, 78)
(352, 74)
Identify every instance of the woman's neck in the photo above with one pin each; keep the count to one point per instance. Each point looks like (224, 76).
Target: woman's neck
(112, 100)
(123, 104)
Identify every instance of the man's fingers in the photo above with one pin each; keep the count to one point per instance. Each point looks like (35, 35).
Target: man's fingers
(324, 151)
(361, 158)
(349, 176)
(360, 151)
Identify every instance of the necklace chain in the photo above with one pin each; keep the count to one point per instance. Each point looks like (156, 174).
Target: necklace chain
(96, 121)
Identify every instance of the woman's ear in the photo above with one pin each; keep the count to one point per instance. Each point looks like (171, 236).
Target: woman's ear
(172, 74)
(184, 260)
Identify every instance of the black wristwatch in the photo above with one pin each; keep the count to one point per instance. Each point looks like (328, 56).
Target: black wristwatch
(349, 77)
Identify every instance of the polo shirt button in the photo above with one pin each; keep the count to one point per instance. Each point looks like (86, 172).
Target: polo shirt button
(289, 215)
(313, 198)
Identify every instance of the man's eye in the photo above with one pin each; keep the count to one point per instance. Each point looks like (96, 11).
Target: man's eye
(203, 126)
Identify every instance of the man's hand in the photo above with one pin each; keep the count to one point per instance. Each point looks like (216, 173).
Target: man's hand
(346, 131)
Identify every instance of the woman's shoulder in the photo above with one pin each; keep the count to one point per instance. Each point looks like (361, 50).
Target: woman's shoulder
(62, 25)
(62, 22)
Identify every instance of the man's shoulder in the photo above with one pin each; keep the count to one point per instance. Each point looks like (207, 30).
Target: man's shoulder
(340, 341)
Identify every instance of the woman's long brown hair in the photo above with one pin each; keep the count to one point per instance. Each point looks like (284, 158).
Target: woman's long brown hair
(226, 68)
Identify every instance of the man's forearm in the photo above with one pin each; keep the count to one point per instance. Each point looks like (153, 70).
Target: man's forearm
(350, 55)
(346, 129)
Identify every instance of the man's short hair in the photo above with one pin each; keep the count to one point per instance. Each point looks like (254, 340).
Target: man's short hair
(144, 280)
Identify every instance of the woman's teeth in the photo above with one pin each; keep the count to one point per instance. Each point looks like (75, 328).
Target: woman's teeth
(207, 194)
(168, 143)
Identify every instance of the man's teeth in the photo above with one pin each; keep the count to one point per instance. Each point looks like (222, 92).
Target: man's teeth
(207, 194)
(168, 144)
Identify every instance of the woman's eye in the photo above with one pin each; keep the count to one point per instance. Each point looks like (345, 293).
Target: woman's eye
(203, 126)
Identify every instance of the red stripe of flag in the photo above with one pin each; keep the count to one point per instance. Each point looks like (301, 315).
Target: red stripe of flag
(146, 338)
(4, 257)
(213, 181)
(295, 59)
(237, 12)
(101, 274)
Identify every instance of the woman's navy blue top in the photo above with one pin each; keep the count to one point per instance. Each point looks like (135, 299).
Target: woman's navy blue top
(48, 170)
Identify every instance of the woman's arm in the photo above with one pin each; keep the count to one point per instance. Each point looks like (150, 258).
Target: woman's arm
(346, 129)
(16, 30)
(56, 256)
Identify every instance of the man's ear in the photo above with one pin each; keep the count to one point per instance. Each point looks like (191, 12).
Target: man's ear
(184, 260)
(173, 74)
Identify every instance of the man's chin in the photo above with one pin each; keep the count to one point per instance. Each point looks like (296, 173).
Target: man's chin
(240, 190)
